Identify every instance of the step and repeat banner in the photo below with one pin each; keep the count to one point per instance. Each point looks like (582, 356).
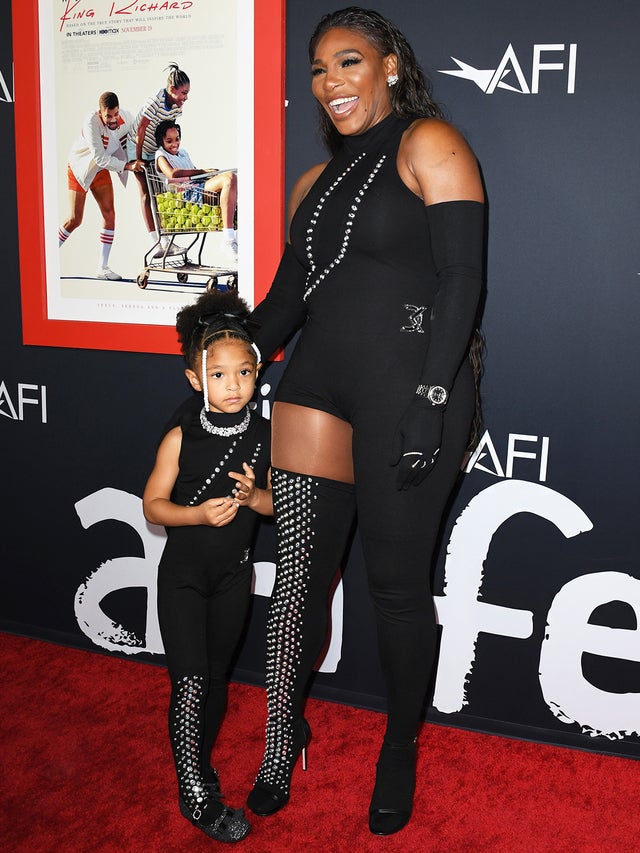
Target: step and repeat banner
(537, 579)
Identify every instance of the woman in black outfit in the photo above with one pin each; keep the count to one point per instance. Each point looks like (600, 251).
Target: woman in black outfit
(384, 273)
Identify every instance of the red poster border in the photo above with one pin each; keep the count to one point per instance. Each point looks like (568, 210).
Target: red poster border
(37, 328)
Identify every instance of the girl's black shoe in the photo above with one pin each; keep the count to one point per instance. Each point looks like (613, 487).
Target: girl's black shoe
(266, 799)
(217, 820)
(392, 798)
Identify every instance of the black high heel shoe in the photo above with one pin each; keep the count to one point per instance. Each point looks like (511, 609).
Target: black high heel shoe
(266, 799)
(217, 820)
(392, 799)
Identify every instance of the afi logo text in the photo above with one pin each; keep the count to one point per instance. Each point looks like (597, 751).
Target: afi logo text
(547, 58)
(533, 448)
(25, 395)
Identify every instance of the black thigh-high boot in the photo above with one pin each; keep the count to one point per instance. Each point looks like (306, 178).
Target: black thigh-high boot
(197, 803)
(313, 519)
(399, 574)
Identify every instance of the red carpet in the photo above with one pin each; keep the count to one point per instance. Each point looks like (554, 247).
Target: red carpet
(86, 766)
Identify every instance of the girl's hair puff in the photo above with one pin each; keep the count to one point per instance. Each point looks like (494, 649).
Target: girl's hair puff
(176, 77)
(215, 316)
(410, 97)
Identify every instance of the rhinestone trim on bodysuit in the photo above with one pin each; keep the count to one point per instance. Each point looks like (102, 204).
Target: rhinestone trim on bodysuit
(310, 285)
(218, 468)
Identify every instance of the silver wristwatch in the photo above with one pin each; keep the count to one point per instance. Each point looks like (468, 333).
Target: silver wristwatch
(435, 394)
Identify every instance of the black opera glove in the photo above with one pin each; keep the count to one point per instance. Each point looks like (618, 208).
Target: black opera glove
(283, 310)
(457, 241)
(417, 441)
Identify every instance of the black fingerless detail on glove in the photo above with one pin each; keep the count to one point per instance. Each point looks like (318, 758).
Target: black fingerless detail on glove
(283, 309)
(457, 245)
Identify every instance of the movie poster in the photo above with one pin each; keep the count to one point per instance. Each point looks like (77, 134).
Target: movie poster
(130, 247)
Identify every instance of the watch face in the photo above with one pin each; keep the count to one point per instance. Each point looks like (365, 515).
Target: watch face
(437, 395)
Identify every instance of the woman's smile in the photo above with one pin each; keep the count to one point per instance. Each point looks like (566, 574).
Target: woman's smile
(342, 106)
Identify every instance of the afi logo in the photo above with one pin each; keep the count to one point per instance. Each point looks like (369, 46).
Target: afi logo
(26, 395)
(502, 77)
(485, 457)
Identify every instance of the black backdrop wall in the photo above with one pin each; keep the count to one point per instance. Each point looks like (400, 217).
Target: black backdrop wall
(538, 579)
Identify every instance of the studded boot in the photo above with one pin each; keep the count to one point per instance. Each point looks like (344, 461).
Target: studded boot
(198, 800)
(313, 518)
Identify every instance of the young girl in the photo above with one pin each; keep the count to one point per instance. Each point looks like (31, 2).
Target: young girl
(174, 163)
(141, 142)
(210, 479)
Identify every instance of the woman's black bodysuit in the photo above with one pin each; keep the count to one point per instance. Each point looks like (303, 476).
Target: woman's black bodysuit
(360, 278)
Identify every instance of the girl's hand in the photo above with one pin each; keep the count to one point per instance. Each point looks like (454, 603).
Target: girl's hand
(245, 487)
(217, 512)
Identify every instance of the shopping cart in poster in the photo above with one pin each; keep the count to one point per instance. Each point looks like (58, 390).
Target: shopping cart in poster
(176, 214)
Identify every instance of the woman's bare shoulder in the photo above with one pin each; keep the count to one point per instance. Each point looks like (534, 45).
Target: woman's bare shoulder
(437, 164)
(432, 135)
(303, 185)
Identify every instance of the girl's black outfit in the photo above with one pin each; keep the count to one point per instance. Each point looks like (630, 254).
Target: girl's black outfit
(386, 291)
(204, 580)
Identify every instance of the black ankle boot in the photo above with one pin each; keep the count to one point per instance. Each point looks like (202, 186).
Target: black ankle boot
(271, 790)
(392, 798)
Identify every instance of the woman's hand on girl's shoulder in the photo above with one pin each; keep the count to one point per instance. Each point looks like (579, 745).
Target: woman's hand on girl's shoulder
(437, 164)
